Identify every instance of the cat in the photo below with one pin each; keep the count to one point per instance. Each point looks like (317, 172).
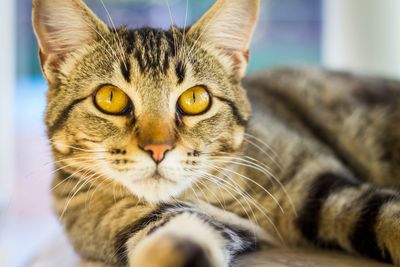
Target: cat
(161, 160)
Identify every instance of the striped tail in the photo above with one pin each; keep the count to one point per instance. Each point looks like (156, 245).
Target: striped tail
(356, 217)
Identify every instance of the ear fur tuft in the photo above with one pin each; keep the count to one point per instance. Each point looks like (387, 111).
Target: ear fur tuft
(229, 26)
(62, 26)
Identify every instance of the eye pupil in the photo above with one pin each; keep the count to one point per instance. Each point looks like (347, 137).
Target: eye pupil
(111, 96)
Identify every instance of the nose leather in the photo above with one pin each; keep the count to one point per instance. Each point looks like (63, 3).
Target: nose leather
(155, 135)
(157, 151)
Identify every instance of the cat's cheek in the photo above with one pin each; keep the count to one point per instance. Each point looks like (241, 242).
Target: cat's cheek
(60, 144)
(238, 137)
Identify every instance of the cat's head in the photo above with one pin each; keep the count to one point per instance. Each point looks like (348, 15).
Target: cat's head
(145, 107)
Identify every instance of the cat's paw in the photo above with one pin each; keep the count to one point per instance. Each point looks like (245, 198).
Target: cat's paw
(170, 251)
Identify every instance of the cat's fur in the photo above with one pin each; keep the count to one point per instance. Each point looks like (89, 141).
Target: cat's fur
(313, 166)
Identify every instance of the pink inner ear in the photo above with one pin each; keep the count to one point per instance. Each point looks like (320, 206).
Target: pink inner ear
(238, 56)
(53, 62)
(240, 60)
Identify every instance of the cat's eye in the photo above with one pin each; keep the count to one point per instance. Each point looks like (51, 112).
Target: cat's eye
(194, 101)
(112, 100)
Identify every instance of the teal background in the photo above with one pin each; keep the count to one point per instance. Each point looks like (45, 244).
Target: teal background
(288, 31)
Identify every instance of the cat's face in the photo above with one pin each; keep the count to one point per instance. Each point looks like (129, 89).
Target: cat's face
(146, 108)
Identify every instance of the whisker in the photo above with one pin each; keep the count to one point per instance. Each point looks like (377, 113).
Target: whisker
(113, 54)
(76, 148)
(94, 178)
(184, 29)
(80, 157)
(85, 180)
(243, 193)
(255, 203)
(219, 182)
(195, 194)
(264, 213)
(263, 143)
(70, 165)
(210, 191)
(118, 41)
(172, 27)
(71, 197)
(234, 185)
(265, 153)
(255, 183)
(205, 28)
(70, 176)
(256, 165)
(248, 160)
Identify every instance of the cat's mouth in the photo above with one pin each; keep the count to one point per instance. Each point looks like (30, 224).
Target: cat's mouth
(158, 176)
(156, 184)
(155, 177)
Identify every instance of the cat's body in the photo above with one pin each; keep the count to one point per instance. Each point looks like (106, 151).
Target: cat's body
(172, 169)
(352, 116)
(352, 135)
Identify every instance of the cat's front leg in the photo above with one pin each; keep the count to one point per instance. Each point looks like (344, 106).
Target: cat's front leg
(185, 241)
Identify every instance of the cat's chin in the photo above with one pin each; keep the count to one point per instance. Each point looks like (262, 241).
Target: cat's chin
(156, 189)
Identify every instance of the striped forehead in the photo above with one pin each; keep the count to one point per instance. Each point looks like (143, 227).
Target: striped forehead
(154, 50)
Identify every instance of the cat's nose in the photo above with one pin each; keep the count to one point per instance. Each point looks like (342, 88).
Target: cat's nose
(157, 151)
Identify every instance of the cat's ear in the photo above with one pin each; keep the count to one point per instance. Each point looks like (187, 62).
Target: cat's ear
(62, 26)
(229, 26)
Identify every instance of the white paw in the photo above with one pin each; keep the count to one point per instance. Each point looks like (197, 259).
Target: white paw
(169, 251)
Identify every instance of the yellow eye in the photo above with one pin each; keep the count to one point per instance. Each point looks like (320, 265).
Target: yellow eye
(194, 101)
(112, 100)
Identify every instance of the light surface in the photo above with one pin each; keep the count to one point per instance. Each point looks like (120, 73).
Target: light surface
(362, 36)
(59, 253)
(7, 70)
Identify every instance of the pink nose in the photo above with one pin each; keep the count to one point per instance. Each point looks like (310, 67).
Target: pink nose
(157, 151)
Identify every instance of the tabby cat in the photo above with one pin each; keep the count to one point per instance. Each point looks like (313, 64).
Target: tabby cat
(162, 162)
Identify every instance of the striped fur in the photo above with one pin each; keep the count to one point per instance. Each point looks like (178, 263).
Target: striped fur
(314, 164)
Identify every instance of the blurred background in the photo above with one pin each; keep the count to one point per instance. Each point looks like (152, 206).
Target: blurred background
(358, 35)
